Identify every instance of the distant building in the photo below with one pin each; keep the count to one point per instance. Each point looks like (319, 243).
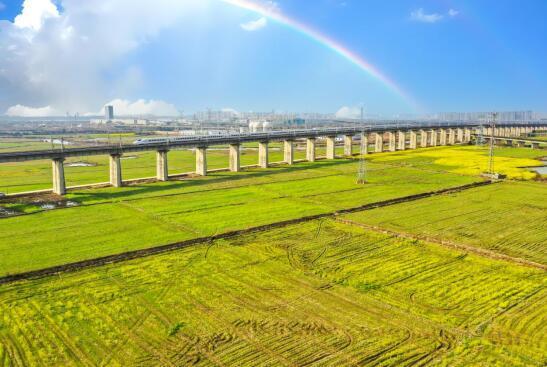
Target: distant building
(109, 113)
(126, 121)
(508, 116)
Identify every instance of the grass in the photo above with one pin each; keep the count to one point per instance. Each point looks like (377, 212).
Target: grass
(22, 144)
(111, 220)
(542, 138)
(469, 160)
(36, 175)
(319, 293)
(508, 217)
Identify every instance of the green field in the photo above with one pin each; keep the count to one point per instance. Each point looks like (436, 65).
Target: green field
(116, 220)
(374, 287)
(36, 175)
(508, 217)
(319, 293)
(539, 137)
(21, 144)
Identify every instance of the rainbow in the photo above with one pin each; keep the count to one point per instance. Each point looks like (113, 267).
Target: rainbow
(272, 13)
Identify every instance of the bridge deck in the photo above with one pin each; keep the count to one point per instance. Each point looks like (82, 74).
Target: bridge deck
(205, 141)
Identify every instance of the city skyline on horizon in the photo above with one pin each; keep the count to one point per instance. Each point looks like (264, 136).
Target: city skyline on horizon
(279, 55)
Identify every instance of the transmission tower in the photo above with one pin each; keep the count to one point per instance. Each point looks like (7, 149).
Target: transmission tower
(362, 171)
(491, 152)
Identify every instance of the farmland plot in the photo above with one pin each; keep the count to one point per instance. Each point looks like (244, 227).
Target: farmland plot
(110, 221)
(507, 217)
(320, 293)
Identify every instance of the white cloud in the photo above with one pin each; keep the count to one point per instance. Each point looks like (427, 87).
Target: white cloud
(348, 113)
(141, 107)
(269, 5)
(254, 25)
(35, 13)
(25, 111)
(267, 8)
(453, 12)
(420, 16)
(64, 57)
(230, 110)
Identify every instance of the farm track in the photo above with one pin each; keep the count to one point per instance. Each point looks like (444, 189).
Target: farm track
(71, 267)
(476, 250)
(274, 314)
(309, 310)
(152, 309)
(280, 325)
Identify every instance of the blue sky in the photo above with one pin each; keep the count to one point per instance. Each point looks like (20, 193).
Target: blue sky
(446, 55)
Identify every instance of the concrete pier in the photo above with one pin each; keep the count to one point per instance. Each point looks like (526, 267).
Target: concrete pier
(459, 135)
(423, 138)
(364, 143)
(235, 158)
(310, 149)
(205, 141)
(201, 161)
(413, 140)
(433, 138)
(442, 138)
(263, 161)
(456, 132)
(162, 168)
(379, 142)
(451, 136)
(466, 135)
(59, 186)
(288, 146)
(392, 143)
(115, 170)
(401, 140)
(330, 147)
(348, 145)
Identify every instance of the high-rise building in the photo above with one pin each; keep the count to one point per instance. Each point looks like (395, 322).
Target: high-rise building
(109, 113)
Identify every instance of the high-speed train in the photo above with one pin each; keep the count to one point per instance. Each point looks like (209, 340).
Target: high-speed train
(143, 141)
(212, 138)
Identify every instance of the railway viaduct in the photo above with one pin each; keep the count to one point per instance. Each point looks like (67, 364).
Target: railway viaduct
(383, 138)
